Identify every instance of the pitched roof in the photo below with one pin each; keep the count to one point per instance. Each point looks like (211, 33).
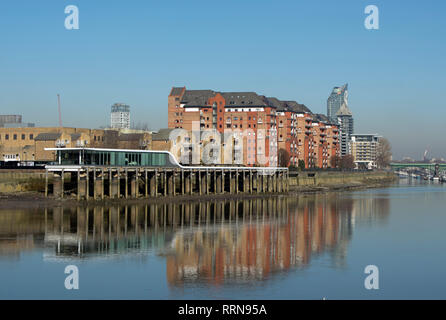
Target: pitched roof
(197, 98)
(130, 136)
(297, 107)
(278, 104)
(162, 135)
(48, 136)
(244, 99)
(75, 136)
(321, 117)
(176, 91)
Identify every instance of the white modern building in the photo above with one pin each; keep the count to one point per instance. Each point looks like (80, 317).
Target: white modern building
(120, 116)
(364, 148)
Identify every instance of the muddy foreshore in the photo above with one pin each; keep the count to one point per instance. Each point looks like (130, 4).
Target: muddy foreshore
(38, 200)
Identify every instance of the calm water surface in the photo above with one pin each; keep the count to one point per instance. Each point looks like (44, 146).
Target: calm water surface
(308, 247)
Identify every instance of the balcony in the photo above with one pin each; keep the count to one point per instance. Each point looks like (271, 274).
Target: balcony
(81, 144)
(61, 143)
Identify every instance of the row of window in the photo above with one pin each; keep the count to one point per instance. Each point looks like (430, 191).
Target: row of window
(114, 158)
(15, 136)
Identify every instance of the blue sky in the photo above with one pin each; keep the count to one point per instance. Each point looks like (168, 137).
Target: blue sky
(135, 51)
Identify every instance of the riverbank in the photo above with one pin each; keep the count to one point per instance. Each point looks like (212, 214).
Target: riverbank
(304, 183)
(333, 181)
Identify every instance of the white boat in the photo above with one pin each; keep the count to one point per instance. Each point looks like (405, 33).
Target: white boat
(403, 174)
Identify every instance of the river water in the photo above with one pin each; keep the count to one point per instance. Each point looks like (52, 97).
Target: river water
(307, 247)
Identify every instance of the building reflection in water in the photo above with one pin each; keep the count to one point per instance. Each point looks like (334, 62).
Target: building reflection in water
(213, 242)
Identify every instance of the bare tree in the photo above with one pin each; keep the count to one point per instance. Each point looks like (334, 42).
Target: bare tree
(383, 153)
(140, 126)
(284, 158)
(347, 162)
(335, 161)
(301, 164)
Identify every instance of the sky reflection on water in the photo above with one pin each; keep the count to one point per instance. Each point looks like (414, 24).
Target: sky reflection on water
(313, 246)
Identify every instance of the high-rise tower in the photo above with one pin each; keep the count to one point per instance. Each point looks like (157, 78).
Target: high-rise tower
(120, 116)
(345, 120)
(338, 96)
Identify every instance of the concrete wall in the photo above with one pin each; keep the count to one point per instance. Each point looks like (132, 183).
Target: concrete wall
(12, 181)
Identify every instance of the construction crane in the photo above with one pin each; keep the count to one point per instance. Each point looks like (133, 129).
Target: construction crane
(60, 113)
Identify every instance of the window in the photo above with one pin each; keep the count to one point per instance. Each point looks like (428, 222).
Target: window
(31, 137)
(23, 137)
(15, 136)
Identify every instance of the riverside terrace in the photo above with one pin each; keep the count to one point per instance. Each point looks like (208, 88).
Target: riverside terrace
(115, 173)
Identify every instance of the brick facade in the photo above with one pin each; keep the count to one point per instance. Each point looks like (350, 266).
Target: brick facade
(263, 128)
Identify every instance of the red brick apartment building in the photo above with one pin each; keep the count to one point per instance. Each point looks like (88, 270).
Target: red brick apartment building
(260, 126)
